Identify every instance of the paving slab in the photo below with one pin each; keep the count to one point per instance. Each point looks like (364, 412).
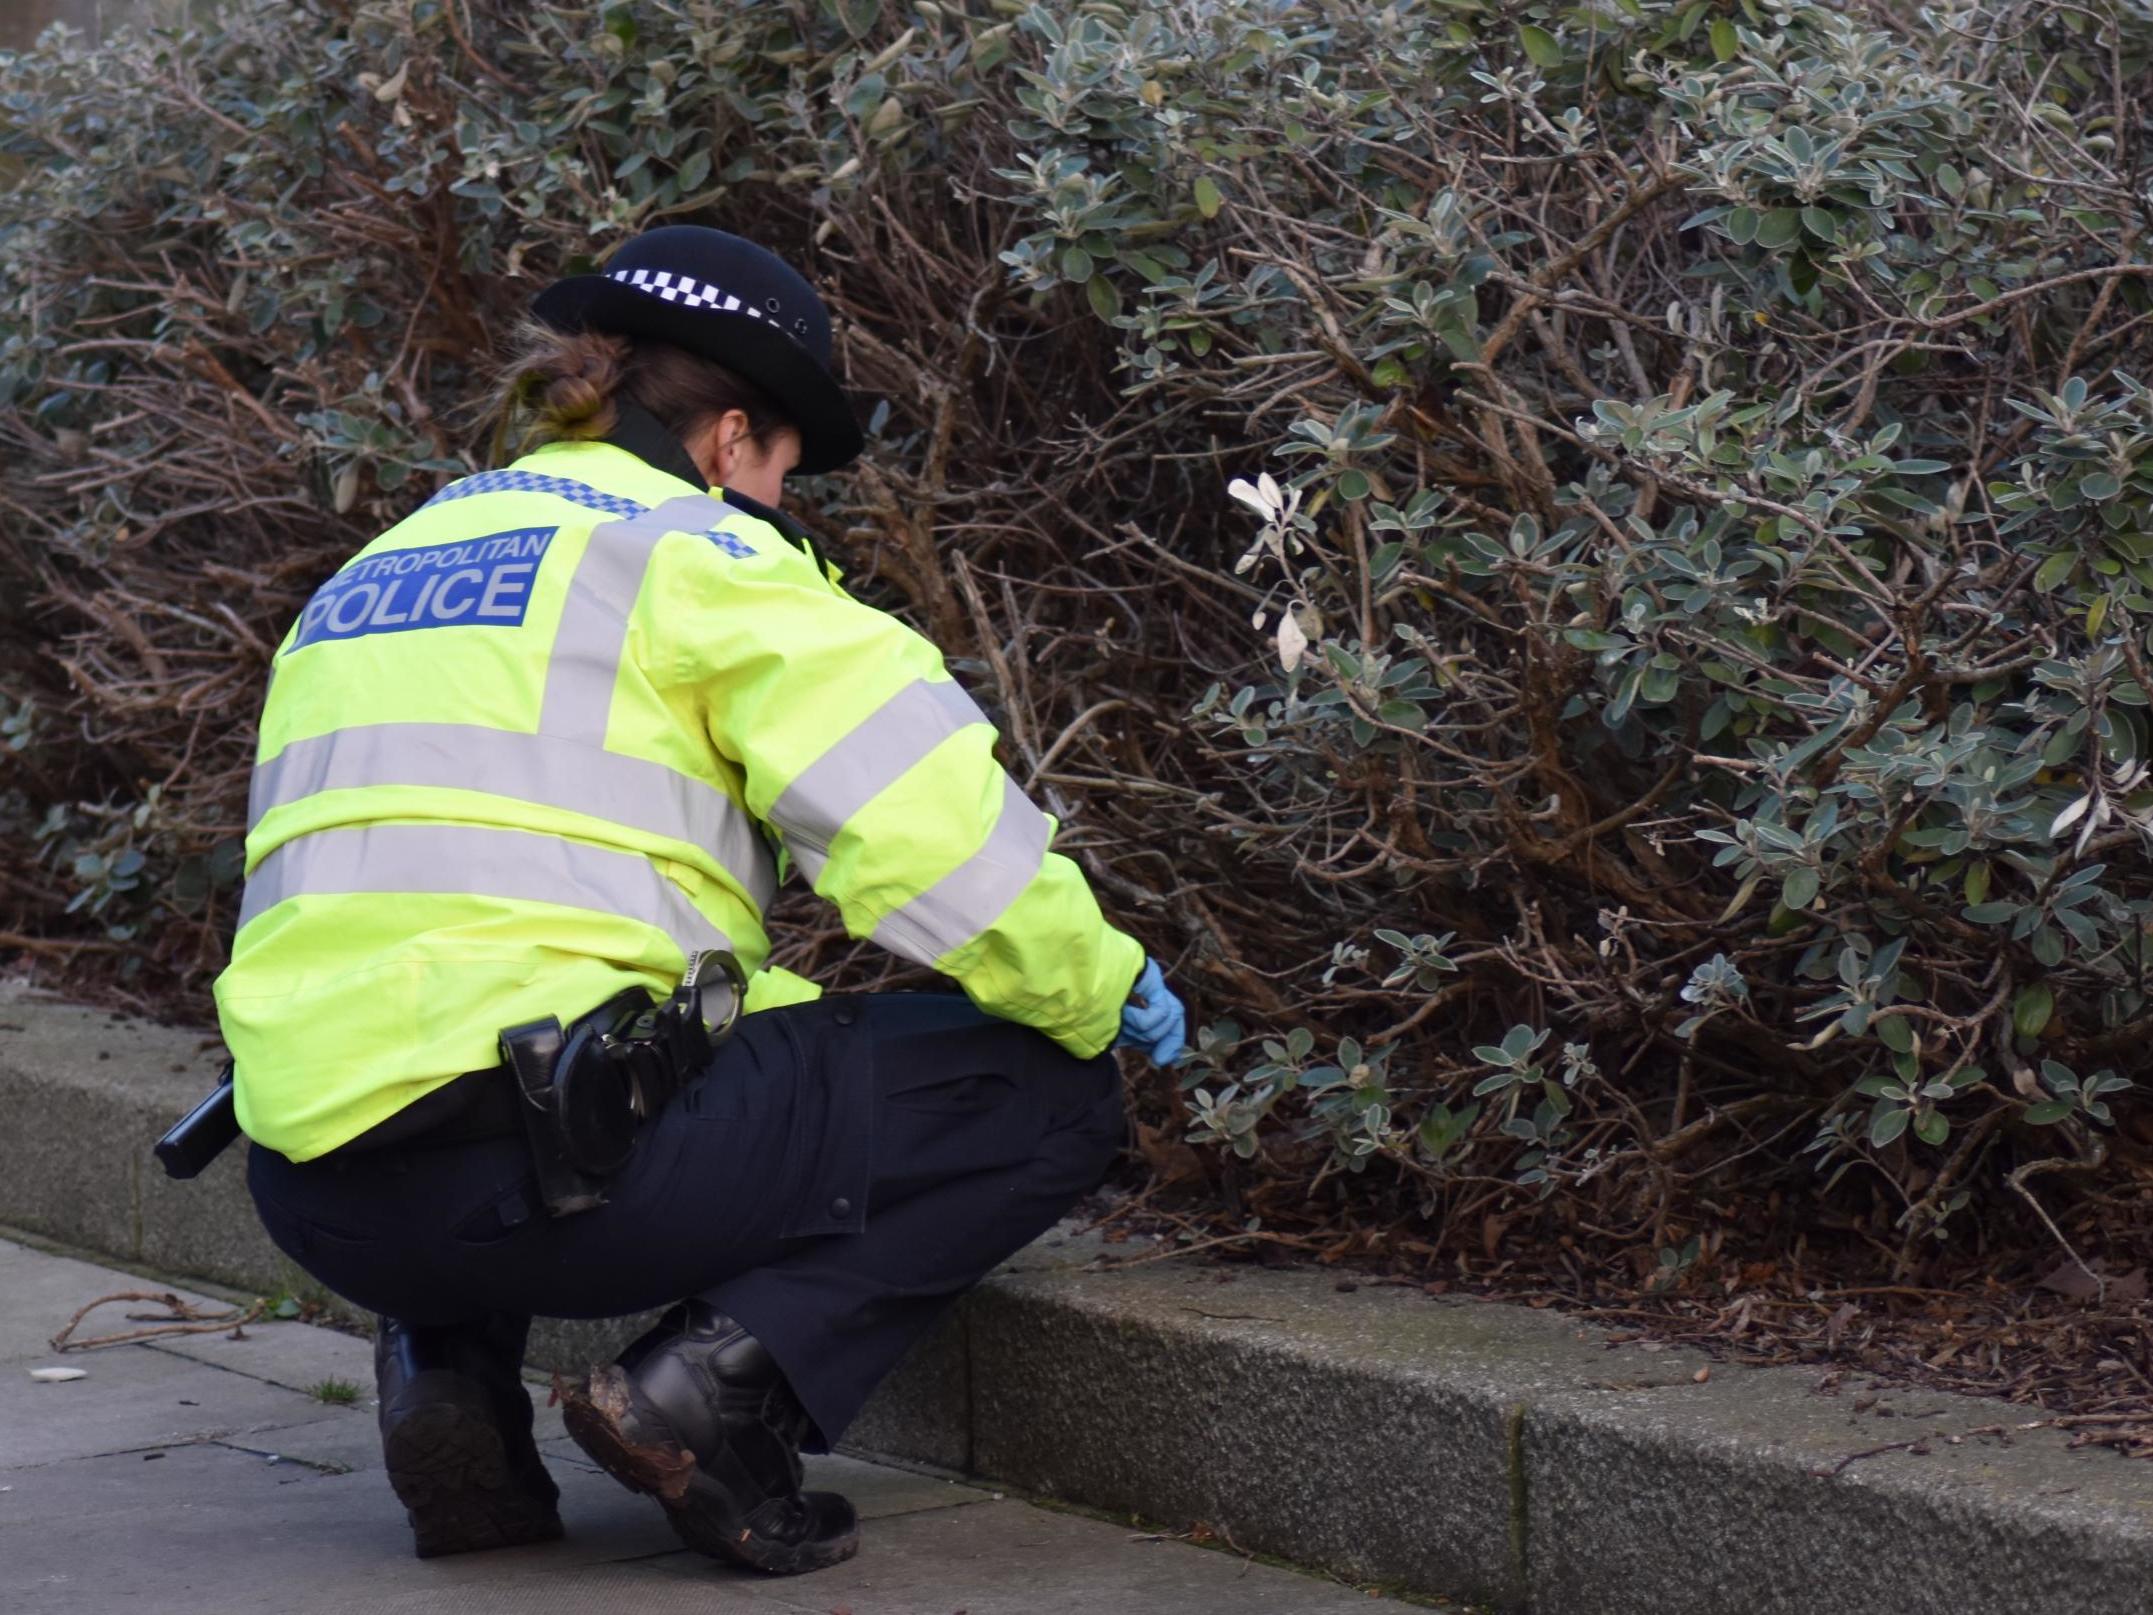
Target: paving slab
(279, 1352)
(132, 1398)
(1010, 1558)
(198, 1475)
(211, 1528)
(39, 1292)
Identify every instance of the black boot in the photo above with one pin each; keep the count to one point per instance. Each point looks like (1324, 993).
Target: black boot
(456, 1434)
(698, 1414)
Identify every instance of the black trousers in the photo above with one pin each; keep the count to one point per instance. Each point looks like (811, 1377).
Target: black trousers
(841, 1172)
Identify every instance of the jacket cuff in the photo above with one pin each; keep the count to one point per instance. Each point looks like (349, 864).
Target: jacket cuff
(1121, 961)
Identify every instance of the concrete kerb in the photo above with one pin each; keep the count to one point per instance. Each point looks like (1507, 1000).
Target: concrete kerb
(1467, 1449)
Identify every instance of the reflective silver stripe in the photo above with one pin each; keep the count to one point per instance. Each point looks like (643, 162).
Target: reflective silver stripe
(517, 865)
(809, 860)
(874, 754)
(971, 897)
(543, 769)
(594, 620)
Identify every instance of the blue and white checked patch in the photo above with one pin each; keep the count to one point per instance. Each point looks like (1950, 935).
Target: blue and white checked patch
(580, 493)
(535, 482)
(738, 549)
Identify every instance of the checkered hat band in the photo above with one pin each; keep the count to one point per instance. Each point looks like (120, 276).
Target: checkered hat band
(689, 292)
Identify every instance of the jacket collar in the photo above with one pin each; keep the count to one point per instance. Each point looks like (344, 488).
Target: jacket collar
(643, 435)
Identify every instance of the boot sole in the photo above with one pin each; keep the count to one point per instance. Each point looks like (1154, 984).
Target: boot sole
(700, 1513)
(451, 1472)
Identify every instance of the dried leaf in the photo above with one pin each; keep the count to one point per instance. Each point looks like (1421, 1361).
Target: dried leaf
(1291, 641)
(2068, 1279)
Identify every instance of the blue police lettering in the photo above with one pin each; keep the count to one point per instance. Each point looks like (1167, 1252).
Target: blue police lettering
(479, 582)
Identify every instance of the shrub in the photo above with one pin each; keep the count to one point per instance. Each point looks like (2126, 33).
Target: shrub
(1580, 570)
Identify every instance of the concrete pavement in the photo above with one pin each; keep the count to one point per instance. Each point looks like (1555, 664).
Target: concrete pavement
(1507, 1455)
(204, 1474)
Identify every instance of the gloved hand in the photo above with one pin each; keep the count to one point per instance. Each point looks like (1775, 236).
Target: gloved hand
(1154, 1020)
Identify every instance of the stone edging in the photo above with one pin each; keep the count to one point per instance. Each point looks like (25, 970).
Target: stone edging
(1463, 1448)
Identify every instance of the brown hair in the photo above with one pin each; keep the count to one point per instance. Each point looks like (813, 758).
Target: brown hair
(563, 386)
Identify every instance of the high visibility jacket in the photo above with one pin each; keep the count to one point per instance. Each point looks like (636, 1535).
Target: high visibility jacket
(559, 727)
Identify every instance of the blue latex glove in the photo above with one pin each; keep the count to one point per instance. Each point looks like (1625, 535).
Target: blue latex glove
(1154, 1020)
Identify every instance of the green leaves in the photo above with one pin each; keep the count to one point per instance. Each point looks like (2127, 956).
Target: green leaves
(2031, 1010)
(1540, 46)
(1780, 227)
(1887, 1124)
(2070, 1096)
(1799, 889)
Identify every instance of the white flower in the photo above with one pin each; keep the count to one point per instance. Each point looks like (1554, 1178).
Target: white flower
(1263, 496)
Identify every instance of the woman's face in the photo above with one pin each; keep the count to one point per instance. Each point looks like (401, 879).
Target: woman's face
(731, 458)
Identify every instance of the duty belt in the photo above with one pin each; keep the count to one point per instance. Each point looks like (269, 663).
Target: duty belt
(579, 1094)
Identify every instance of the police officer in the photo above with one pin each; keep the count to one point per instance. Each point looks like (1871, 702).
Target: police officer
(537, 753)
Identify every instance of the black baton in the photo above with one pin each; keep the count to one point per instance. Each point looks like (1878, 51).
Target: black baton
(201, 1135)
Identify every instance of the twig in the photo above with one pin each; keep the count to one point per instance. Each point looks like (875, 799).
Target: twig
(188, 1318)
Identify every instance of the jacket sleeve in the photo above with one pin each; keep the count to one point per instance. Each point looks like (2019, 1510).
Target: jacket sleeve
(879, 773)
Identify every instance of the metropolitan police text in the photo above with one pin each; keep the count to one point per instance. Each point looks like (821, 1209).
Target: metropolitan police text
(475, 582)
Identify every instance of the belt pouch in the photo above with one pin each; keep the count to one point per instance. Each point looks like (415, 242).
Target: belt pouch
(535, 1053)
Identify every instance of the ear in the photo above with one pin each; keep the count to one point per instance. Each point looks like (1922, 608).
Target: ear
(717, 446)
(729, 442)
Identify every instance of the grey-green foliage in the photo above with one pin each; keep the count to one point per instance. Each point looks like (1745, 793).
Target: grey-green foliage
(1821, 536)
(1691, 545)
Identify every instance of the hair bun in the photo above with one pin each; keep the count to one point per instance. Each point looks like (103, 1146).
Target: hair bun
(569, 387)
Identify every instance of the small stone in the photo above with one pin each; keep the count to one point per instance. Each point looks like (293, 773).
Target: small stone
(1702, 1375)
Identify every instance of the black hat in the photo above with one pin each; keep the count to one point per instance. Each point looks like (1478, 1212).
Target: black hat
(728, 300)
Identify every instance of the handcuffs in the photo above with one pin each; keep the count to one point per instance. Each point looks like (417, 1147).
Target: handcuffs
(586, 1091)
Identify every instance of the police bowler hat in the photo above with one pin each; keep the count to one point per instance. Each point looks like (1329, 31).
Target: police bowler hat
(730, 301)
